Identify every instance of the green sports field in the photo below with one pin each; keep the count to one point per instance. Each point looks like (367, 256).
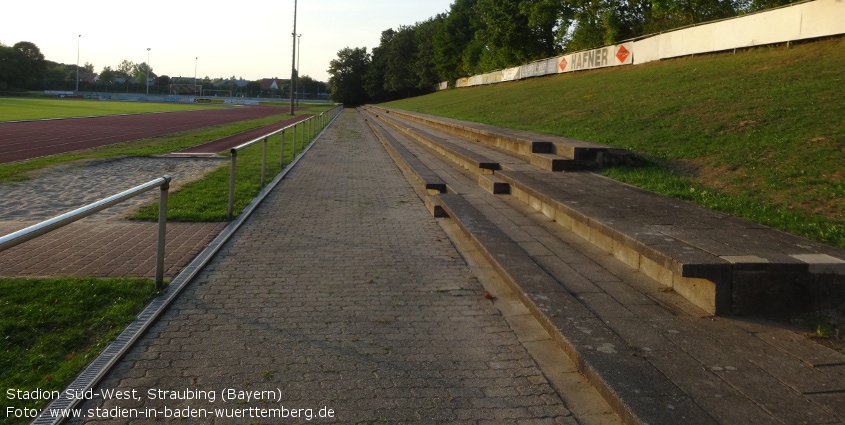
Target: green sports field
(18, 109)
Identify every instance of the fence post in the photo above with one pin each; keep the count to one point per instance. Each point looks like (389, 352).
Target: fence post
(263, 160)
(282, 159)
(294, 141)
(162, 232)
(232, 185)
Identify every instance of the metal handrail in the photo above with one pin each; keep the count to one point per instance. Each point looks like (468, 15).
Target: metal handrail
(324, 119)
(31, 232)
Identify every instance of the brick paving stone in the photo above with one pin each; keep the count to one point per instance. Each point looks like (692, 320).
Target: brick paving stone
(107, 248)
(340, 292)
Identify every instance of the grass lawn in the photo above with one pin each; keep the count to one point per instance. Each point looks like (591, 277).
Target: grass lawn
(18, 109)
(50, 329)
(758, 133)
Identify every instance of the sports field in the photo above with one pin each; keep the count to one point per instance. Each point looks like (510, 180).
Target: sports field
(18, 109)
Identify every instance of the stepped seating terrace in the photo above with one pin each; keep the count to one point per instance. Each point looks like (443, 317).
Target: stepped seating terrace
(722, 264)
(655, 356)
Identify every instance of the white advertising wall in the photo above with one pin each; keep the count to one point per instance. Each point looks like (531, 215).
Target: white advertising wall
(819, 18)
(602, 57)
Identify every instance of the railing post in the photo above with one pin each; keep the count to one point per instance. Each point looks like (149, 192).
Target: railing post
(263, 160)
(232, 185)
(294, 141)
(282, 156)
(303, 136)
(162, 232)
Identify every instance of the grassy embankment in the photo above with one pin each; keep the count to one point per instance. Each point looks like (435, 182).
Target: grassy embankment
(51, 328)
(758, 134)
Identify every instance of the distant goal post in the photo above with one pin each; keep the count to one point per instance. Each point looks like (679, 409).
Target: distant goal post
(186, 89)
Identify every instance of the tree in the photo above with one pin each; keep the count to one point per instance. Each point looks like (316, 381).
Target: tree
(399, 76)
(21, 65)
(424, 65)
(455, 49)
(143, 68)
(253, 88)
(347, 72)
(107, 75)
(57, 72)
(670, 14)
(9, 72)
(377, 68)
(508, 36)
(310, 86)
(125, 69)
(404, 62)
(141, 78)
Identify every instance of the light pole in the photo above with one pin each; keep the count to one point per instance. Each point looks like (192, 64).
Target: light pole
(77, 61)
(298, 56)
(293, 62)
(149, 71)
(196, 59)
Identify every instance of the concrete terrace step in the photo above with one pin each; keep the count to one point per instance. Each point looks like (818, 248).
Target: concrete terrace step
(552, 162)
(637, 388)
(462, 150)
(537, 154)
(430, 180)
(720, 263)
(469, 159)
(524, 143)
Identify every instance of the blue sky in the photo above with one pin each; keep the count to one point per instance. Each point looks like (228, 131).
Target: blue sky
(249, 39)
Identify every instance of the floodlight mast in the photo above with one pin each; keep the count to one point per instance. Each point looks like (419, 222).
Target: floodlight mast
(293, 62)
(77, 62)
(148, 71)
(298, 57)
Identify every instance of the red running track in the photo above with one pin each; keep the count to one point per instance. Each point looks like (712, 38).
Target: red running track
(32, 139)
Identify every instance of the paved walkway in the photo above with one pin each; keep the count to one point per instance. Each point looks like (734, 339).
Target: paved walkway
(341, 295)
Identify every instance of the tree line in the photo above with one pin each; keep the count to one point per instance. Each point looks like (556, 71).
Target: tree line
(23, 67)
(479, 36)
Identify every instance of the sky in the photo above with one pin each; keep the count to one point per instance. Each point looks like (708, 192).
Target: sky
(249, 38)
